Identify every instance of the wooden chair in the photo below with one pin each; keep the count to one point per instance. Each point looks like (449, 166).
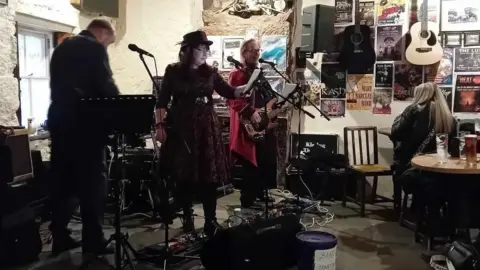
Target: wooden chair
(361, 150)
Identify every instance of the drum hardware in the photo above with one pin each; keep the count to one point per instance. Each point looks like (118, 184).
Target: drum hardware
(123, 115)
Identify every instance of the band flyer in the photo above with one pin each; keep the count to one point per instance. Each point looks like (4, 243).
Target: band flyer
(384, 75)
(343, 11)
(407, 77)
(441, 73)
(389, 43)
(382, 98)
(333, 107)
(359, 92)
(391, 12)
(467, 59)
(366, 12)
(467, 94)
(334, 81)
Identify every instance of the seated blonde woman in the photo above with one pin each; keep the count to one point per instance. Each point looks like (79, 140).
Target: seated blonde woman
(427, 115)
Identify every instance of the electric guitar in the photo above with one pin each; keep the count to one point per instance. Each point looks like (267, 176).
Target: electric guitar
(424, 48)
(256, 131)
(357, 55)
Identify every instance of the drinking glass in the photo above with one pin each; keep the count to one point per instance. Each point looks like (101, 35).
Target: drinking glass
(461, 147)
(442, 144)
(471, 149)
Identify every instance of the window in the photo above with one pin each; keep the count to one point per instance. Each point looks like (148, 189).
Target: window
(34, 51)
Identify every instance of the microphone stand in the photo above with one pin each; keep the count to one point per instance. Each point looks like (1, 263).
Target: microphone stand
(265, 85)
(302, 97)
(167, 254)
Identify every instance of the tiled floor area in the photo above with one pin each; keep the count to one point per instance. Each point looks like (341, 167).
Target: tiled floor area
(370, 243)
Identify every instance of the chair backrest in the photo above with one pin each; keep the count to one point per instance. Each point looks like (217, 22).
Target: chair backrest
(361, 145)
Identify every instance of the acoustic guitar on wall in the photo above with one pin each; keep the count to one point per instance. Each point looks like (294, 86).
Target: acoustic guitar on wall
(357, 55)
(424, 48)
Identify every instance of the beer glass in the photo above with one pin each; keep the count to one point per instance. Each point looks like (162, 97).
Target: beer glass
(461, 147)
(471, 149)
(442, 144)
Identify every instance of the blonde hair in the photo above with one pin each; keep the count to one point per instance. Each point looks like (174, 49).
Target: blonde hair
(429, 94)
(243, 49)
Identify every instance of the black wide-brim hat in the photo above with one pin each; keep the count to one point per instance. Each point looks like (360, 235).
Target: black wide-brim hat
(195, 38)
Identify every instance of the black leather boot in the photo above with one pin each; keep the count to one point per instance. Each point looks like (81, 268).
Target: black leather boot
(188, 222)
(210, 207)
(211, 227)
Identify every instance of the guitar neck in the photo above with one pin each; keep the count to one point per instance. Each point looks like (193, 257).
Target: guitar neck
(424, 16)
(357, 16)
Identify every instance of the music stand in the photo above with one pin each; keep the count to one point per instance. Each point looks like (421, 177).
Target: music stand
(120, 115)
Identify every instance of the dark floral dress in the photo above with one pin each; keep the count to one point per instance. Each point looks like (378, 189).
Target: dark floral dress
(194, 151)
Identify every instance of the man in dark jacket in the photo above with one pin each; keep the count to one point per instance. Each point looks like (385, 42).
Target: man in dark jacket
(79, 68)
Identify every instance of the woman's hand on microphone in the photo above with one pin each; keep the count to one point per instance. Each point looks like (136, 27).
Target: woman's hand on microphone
(161, 134)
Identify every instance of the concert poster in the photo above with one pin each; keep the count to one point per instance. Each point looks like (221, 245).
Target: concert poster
(382, 99)
(407, 77)
(314, 91)
(367, 13)
(467, 94)
(334, 80)
(384, 75)
(447, 93)
(359, 92)
(343, 11)
(389, 43)
(333, 107)
(338, 38)
(442, 72)
(391, 12)
(231, 47)
(467, 59)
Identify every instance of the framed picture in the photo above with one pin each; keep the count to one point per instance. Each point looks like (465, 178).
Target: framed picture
(453, 39)
(440, 39)
(459, 15)
(3, 2)
(471, 39)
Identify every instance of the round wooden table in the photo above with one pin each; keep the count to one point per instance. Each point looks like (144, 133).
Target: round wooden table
(430, 162)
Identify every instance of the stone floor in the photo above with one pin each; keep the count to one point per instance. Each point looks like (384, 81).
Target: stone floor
(371, 243)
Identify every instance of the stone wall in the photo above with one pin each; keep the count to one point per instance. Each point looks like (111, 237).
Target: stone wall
(9, 100)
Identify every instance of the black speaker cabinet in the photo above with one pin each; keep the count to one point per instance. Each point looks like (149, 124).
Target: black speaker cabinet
(317, 28)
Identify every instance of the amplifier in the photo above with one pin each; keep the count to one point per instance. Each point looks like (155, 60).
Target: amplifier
(262, 244)
(308, 141)
(19, 146)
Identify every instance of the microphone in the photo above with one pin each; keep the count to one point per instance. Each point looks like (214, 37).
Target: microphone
(135, 48)
(234, 61)
(261, 61)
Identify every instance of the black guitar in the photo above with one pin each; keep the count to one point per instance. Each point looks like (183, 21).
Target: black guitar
(357, 55)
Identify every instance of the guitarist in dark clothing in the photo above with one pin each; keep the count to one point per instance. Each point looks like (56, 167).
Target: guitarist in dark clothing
(259, 159)
(79, 68)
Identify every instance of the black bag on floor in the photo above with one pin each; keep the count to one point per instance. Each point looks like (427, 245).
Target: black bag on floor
(262, 244)
(20, 241)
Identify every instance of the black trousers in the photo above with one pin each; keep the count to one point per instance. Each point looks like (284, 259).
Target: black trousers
(78, 171)
(185, 193)
(256, 179)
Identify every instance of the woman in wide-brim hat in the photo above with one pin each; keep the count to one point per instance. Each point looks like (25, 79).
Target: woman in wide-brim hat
(192, 146)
